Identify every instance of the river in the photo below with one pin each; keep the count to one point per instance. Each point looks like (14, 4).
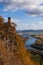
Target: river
(30, 41)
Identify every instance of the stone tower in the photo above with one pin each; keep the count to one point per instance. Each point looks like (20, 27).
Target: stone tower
(9, 20)
(12, 50)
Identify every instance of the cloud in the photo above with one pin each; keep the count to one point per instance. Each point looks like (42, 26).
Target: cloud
(36, 11)
(36, 26)
(32, 26)
(1, 1)
(32, 7)
(21, 26)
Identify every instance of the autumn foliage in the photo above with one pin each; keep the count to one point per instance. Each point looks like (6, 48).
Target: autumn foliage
(12, 48)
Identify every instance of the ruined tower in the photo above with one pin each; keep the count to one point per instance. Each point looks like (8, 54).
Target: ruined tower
(9, 20)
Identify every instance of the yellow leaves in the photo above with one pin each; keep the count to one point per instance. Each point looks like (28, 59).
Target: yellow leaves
(17, 55)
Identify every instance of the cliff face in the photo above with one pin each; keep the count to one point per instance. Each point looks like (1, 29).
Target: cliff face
(12, 50)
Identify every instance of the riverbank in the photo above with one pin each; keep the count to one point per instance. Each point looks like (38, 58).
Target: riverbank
(36, 50)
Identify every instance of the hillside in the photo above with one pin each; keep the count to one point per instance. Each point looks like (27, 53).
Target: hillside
(12, 50)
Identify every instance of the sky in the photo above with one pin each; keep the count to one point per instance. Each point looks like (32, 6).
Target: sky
(27, 14)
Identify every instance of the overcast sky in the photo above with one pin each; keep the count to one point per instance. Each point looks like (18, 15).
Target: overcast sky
(27, 14)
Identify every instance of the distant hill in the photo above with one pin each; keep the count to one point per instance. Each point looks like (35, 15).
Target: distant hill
(29, 31)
